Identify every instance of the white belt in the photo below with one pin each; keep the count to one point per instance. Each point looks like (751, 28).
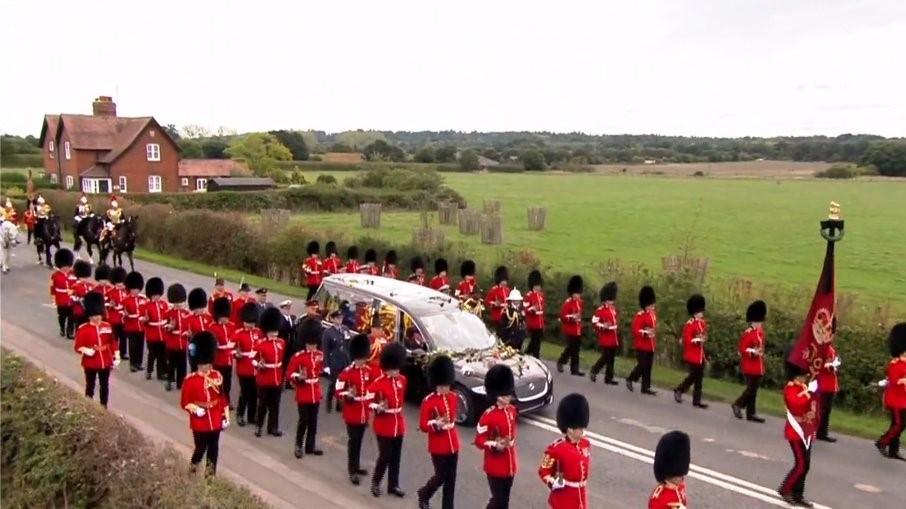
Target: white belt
(269, 366)
(393, 410)
(61, 291)
(312, 380)
(360, 398)
(131, 316)
(571, 484)
(155, 324)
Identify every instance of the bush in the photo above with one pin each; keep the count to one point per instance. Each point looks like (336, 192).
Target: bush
(468, 160)
(846, 171)
(533, 160)
(326, 179)
(506, 168)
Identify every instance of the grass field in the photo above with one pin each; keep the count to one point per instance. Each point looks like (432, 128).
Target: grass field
(765, 230)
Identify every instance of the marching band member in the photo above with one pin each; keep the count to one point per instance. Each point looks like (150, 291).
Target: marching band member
(895, 394)
(199, 319)
(534, 313)
(751, 353)
(304, 372)
(512, 321)
(61, 292)
(390, 269)
(468, 287)
(418, 271)
(220, 290)
(333, 264)
(115, 316)
(313, 268)
(566, 465)
(371, 267)
(644, 327)
(828, 387)
(799, 430)
(695, 334)
(352, 260)
(270, 373)
(440, 281)
(154, 313)
(352, 387)
(247, 337)
(496, 435)
(224, 330)
(438, 420)
(496, 298)
(571, 325)
(95, 343)
(176, 342)
(80, 288)
(133, 304)
(388, 394)
(104, 287)
(671, 465)
(204, 401)
(606, 324)
(244, 296)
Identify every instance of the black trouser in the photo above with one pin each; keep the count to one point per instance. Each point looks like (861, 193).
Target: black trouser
(311, 291)
(390, 451)
(176, 366)
(102, 376)
(248, 398)
(206, 443)
(269, 406)
(136, 348)
(827, 404)
(891, 437)
(28, 239)
(291, 349)
(500, 492)
(307, 428)
(157, 355)
(355, 432)
(794, 482)
(606, 360)
(227, 373)
(571, 353)
(747, 398)
(64, 318)
(120, 336)
(331, 389)
(694, 379)
(444, 475)
(534, 344)
(642, 369)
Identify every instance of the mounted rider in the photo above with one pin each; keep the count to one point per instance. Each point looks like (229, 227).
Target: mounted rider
(9, 212)
(114, 218)
(42, 212)
(82, 211)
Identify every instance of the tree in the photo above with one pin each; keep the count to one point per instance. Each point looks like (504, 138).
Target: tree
(468, 160)
(425, 155)
(191, 149)
(445, 154)
(260, 151)
(173, 132)
(359, 139)
(889, 157)
(214, 148)
(295, 142)
(311, 140)
(380, 150)
(195, 131)
(533, 160)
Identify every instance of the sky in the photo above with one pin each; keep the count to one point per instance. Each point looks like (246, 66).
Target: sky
(674, 67)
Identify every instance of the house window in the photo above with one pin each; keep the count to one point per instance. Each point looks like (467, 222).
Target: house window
(50, 148)
(184, 182)
(69, 181)
(201, 184)
(123, 186)
(53, 178)
(66, 150)
(153, 183)
(152, 150)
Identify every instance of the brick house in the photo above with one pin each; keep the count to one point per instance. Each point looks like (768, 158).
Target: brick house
(194, 174)
(104, 153)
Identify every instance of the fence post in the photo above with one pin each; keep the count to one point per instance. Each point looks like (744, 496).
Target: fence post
(536, 218)
(491, 207)
(370, 214)
(469, 222)
(491, 229)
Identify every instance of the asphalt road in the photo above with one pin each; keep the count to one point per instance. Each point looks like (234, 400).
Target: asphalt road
(735, 463)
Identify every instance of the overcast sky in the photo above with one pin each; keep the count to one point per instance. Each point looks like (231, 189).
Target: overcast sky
(683, 67)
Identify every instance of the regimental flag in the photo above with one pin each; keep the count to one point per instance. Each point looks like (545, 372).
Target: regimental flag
(818, 330)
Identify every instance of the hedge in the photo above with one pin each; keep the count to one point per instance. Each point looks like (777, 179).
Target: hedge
(22, 160)
(62, 450)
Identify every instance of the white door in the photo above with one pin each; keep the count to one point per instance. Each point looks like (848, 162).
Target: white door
(96, 186)
(201, 185)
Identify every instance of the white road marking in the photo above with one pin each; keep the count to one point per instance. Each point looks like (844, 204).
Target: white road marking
(708, 440)
(707, 475)
(868, 488)
(647, 427)
(749, 454)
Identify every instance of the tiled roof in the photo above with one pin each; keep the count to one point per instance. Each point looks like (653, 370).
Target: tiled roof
(207, 167)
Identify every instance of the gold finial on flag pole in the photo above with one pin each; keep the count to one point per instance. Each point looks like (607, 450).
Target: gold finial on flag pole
(834, 212)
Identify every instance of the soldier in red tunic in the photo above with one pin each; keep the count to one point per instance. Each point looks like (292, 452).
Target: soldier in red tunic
(828, 387)
(496, 435)
(371, 267)
(220, 290)
(566, 464)
(895, 394)
(199, 319)
(606, 324)
(671, 465)
(224, 330)
(440, 281)
(246, 338)
(114, 300)
(534, 313)
(644, 327)
(417, 265)
(799, 430)
(133, 306)
(571, 325)
(154, 315)
(60, 291)
(695, 334)
(304, 372)
(495, 300)
(468, 287)
(438, 419)
(79, 289)
(103, 287)
(95, 343)
(751, 353)
(352, 387)
(270, 373)
(176, 342)
(390, 269)
(333, 264)
(204, 401)
(313, 268)
(352, 260)
(245, 295)
(388, 395)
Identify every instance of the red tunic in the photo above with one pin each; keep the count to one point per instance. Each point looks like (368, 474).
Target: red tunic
(495, 301)
(644, 320)
(79, 290)
(570, 461)
(205, 391)
(246, 340)
(895, 393)
(534, 310)
(270, 358)
(391, 271)
(308, 366)
(236, 310)
(132, 312)
(177, 338)
(352, 267)
(571, 317)
(694, 333)
(313, 268)
(804, 412)
(197, 322)
(113, 301)
(442, 439)
(467, 288)
(388, 394)
(155, 313)
(418, 279)
(216, 295)
(827, 375)
(752, 363)
(498, 423)
(668, 496)
(224, 334)
(332, 265)
(378, 342)
(371, 269)
(352, 385)
(605, 322)
(104, 290)
(440, 283)
(100, 338)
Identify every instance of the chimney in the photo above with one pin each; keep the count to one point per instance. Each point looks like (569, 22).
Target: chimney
(104, 106)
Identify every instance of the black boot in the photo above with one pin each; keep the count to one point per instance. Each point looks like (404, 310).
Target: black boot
(258, 432)
(298, 452)
(737, 411)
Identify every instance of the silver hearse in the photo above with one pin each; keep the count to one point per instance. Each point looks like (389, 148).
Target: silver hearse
(428, 322)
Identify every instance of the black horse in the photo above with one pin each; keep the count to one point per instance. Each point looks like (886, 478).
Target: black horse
(88, 230)
(122, 241)
(47, 233)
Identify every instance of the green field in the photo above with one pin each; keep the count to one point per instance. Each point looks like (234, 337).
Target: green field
(758, 229)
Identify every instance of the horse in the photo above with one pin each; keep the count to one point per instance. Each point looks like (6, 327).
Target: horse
(88, 230)
(47, 233)
(123, 241)
(9, 237)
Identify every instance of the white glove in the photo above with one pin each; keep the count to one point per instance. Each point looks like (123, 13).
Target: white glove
(883, 383)
(87, 352)
(296, 376)
(225, 423)
(254, 363)
(448, 426)
(837, 362)
(752, 351)
(813, 386)
(327, 371)
(116, 362)
(558, 483)
(199, 412)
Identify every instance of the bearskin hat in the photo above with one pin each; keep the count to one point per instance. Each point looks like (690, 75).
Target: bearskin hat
(757, 311)
(310, 332)
(390, 257)
(416, 264)
(534, 279)
(791, 370)
(370, 256)
(467, 268)
(94, 304)
(695, 304)
(352, 253)
(441, 371)
(499, 381)
(249, 313)
(897, 339)
(609, 291)
(63, 258)
(270, 320)
(154, 286)
(117, 275)
(202, 347)
(313, 247)
(646, 297)
(81, 269)
(393, 356)
(575, 285)
(222, 308)
(501, 274)
(672, 456)
(102, 272)
(440, 265)
(176, 294)
(134, 281)
(198, 298)
(573, 412)
(330, 248)
(359, 347)
(244, 288)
